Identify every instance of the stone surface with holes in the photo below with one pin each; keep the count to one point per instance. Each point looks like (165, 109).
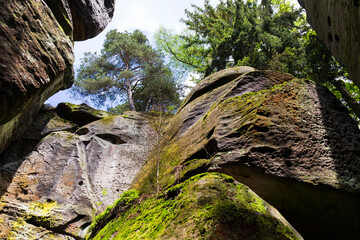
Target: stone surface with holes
(337, 25)
(64, 174)
(288, 139)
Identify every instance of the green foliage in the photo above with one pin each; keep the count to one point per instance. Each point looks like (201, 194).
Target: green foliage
(182, 58)
(128, 69)
(158, 94)
(120, 108)
(324, 69)
(155, 94)
(235, 33)
(267, 34)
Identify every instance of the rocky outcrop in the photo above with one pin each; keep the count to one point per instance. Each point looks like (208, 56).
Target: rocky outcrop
(288, 139)
(56, 178)
(36, 62)
(207, 206)
(337, 25)
(36, 54)
(80, 114)
(90, 17)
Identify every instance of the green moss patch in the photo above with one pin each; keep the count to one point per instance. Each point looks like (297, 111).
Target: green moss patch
(125, 200)
(207, 206)
(108, 120)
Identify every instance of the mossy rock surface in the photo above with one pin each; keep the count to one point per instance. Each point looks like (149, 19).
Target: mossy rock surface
(290, 128)
(80, 114)
(207, 206)
(265, 125)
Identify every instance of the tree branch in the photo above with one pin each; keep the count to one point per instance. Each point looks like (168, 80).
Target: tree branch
(355, 106)
(124, 60)
(177, 58)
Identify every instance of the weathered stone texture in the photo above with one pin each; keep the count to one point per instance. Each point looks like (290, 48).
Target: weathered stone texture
(37, 54)
(68, 176)
(90, 17)
(36, 61)
(336, 22)
(287, 139)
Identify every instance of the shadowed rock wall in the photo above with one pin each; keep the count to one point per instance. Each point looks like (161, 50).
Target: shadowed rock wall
(36, 42)
(336, 23)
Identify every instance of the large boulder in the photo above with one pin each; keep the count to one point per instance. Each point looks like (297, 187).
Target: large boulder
(90, 17)
(80, 114)
(87, 17)
(36, 42)
(288, 139)
(36, 61)
(337, 25)
(207, 206)
(56, 178)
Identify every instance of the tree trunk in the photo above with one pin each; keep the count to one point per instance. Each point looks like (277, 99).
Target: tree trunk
(131, 100)
(147, 108)
(355, 106)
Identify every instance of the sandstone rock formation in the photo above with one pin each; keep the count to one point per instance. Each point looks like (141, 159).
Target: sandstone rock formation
(207, 206)
(58, 176)
(80, 114)
(36, 54)
(289, 140)
(90, 17)
(337, 25)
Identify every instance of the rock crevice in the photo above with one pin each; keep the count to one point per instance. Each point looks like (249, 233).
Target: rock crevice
(68, 178)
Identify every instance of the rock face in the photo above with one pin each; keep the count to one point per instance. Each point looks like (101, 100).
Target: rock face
(80, 114)
(207, 206)
(337, 25)
(36, 62)
(90, 17)
(58, 176)
(36, 54)
(289, 140)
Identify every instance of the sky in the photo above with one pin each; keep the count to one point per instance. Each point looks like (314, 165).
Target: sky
(145, 15)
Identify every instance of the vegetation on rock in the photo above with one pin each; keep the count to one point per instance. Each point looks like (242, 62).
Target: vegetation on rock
(207, 206)
(284, 127)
